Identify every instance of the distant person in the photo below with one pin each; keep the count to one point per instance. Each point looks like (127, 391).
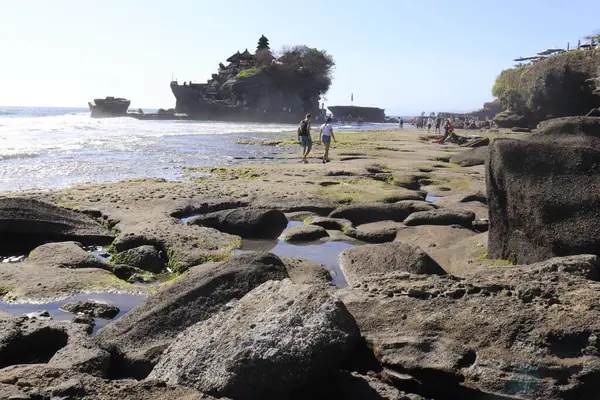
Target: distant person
(429, 124)
(304, 137)
(325, 136)
(448, 130)
(401, 123)
(438, 125)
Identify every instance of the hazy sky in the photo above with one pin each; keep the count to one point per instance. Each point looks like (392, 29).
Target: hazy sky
(403, 55)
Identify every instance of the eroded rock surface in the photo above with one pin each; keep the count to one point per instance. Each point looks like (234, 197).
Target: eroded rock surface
(358, 263)
(273, 341)
(441, 217)
(27, 223)
(365, 213)
(516, 332)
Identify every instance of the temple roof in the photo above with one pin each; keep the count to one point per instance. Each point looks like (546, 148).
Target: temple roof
(234, 57)
(246, 55)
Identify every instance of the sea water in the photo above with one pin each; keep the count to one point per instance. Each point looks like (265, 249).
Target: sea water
(46, 148)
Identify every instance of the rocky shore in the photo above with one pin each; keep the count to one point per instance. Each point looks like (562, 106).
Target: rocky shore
(427, 304)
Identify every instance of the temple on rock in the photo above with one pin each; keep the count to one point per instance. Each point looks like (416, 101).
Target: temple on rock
(257, 87)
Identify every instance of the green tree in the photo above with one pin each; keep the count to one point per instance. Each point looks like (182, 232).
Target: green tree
(263, 43)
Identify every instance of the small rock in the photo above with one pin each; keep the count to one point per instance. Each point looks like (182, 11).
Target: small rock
(92, 308)
(43, 315)
(303, 233)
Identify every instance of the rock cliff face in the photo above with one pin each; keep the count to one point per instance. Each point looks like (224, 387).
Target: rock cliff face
(559, 86)
(259, 87)
(542, 207)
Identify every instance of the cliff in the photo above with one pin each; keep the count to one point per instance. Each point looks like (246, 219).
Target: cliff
(561, 85)
(260, 87)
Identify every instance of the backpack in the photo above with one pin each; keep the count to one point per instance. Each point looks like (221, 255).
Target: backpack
(303, 128)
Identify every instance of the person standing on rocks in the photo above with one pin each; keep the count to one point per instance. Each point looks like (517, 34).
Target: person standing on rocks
(325, 136)
(304, 137)
(429, 123)
(438, 125)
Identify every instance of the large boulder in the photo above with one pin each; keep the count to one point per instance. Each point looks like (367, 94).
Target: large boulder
(471, 157)
(277, 339)
(360, 262)
(27, 223)
(510, 119)
(544, 192)
(245, 222)
(365, 213)
(524, 332)
(441, 217)
(140, 336)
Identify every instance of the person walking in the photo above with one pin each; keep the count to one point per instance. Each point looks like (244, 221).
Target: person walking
(304, 137)
(438, 125)
(325, 136)
(429, 124)
(401, 123)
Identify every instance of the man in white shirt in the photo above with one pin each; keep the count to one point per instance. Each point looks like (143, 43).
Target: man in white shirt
(325, 136)
(429, 123)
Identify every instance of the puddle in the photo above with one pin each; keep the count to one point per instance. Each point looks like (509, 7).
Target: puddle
(100, 252)
(186, 219)
(431, 199)
(12, 259)
(125, 302)
(325, 253)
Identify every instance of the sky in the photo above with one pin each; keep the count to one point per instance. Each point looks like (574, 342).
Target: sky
(406, 56)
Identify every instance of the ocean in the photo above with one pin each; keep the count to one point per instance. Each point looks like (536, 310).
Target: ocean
(49, 148)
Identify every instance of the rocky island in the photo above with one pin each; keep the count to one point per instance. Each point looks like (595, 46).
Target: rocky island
(259, 86)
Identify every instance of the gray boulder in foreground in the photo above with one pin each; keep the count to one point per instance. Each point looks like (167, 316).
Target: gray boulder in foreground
(275, 340)
(544, 192)
(245, 222)
(141, 335)
(360, 262)
(27, 223)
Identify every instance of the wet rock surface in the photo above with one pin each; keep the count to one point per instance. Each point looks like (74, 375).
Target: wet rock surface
(147, 258)
(140, 336)
(441, 217)
(557, 195)
(335, 224)
(509, 332)
(365, 213)
(60, 270)
(303, 233)
(27, 223)
(359, 263)
(245, 222)
(278, 338)
(91, 308)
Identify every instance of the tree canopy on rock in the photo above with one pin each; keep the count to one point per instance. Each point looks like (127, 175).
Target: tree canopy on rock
(561, 85)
